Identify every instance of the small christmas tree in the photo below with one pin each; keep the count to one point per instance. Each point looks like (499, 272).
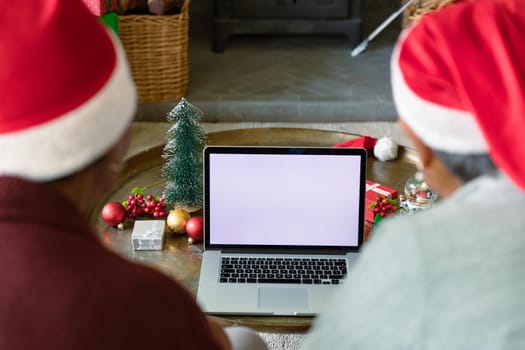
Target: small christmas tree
(182, 170)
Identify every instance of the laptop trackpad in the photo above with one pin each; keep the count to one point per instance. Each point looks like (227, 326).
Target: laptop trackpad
(283, 298)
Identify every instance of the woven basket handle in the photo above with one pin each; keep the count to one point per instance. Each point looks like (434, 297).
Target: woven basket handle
(184, 7)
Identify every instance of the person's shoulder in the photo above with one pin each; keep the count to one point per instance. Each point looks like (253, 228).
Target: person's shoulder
(151, 309)
(470, 217)
(114, 280)
(121, 276)
(403, 241)
(459, 208)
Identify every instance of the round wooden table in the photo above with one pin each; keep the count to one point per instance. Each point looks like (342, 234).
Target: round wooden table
(181, 260)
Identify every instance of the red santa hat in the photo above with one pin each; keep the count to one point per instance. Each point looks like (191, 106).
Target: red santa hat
(66, 91)
(458, 80)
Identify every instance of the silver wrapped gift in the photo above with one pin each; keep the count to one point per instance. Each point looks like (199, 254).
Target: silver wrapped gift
(148, 234)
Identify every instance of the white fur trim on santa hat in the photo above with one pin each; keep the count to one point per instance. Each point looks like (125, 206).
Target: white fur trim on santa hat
(439, 127)
(74, 140)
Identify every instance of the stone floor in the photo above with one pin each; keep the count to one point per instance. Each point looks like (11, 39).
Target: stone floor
(286, 78)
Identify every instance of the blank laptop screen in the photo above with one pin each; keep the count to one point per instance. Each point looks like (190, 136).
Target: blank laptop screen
(284, 199)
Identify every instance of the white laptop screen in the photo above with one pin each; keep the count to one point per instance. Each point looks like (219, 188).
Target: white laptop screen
(294, 199)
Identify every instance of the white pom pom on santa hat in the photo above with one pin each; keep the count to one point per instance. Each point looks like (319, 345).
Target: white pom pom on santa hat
(385, 149)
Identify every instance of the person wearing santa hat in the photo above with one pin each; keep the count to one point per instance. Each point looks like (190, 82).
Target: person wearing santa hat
(450, 277)
(66, 103)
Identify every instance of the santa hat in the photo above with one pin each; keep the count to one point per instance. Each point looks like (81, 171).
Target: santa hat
(458, 79)
(66, 92)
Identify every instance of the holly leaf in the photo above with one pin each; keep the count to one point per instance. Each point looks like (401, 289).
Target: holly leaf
(371, 205)
(125, 204)
(137, 190)
(392, 201)
(377, 219)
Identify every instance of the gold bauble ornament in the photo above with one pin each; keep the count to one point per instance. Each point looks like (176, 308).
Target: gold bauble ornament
(177, 219)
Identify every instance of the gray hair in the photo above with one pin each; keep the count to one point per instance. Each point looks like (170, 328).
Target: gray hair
(467, 166)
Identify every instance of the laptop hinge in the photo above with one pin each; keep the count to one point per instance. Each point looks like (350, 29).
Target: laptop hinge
(270, 251)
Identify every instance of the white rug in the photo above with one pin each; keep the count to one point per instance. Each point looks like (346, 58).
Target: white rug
(276, 341)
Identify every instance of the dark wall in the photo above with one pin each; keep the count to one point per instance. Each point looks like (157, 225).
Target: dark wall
(373, 12)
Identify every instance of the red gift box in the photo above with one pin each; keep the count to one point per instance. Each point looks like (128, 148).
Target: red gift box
(101, 7)
(373, 190)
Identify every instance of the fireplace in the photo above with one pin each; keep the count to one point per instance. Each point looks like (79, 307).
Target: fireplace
(285, 16)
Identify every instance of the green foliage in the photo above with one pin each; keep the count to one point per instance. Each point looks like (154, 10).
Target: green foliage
(137, 190)
(377, 219)
(182, 171)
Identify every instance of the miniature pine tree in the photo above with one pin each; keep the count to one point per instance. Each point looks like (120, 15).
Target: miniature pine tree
(182, 170)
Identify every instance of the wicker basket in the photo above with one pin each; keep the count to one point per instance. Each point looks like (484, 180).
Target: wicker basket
(421, 7)
(157, 51)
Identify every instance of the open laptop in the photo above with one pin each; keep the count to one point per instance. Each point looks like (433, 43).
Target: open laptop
(282, 227)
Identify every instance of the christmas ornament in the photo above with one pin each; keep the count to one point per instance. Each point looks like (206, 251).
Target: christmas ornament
(195, 229)
(114, 213)
(418, 194)
(383, 207)
(385, 149)
(139, 204)
(177, 220)
(182, 170)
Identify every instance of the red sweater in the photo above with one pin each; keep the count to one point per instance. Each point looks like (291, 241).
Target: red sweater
(61, 289)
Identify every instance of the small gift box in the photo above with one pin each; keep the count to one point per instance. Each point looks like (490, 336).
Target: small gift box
(373, 191)
(148, 234)
(101, 7)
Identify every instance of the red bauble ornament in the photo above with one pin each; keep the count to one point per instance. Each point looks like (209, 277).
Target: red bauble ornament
(195, 228)
(114, 213)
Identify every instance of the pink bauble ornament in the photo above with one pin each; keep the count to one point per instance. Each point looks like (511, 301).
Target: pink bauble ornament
(114, 213)
(195, 228)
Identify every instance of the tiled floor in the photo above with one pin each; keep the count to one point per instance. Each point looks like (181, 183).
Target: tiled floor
(287, 78)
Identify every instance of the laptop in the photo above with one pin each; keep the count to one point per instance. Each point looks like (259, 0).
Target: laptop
(282, 226)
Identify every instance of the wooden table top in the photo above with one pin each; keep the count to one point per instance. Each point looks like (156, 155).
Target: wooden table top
(181, 260)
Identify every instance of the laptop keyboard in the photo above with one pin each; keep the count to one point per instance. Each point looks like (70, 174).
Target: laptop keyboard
(282, 270)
